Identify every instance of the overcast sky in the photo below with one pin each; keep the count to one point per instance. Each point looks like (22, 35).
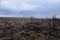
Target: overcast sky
(28, 8)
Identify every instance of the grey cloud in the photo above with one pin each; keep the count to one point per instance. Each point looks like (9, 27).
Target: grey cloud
(42, 8)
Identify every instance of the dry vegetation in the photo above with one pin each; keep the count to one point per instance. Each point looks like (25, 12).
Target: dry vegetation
(29, 29)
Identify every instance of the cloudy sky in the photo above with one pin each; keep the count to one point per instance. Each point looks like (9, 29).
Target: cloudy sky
(28, 8)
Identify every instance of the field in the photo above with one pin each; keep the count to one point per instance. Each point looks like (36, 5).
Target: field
(29, 28)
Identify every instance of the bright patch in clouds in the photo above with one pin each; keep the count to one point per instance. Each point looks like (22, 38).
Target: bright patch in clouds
(17, 4)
